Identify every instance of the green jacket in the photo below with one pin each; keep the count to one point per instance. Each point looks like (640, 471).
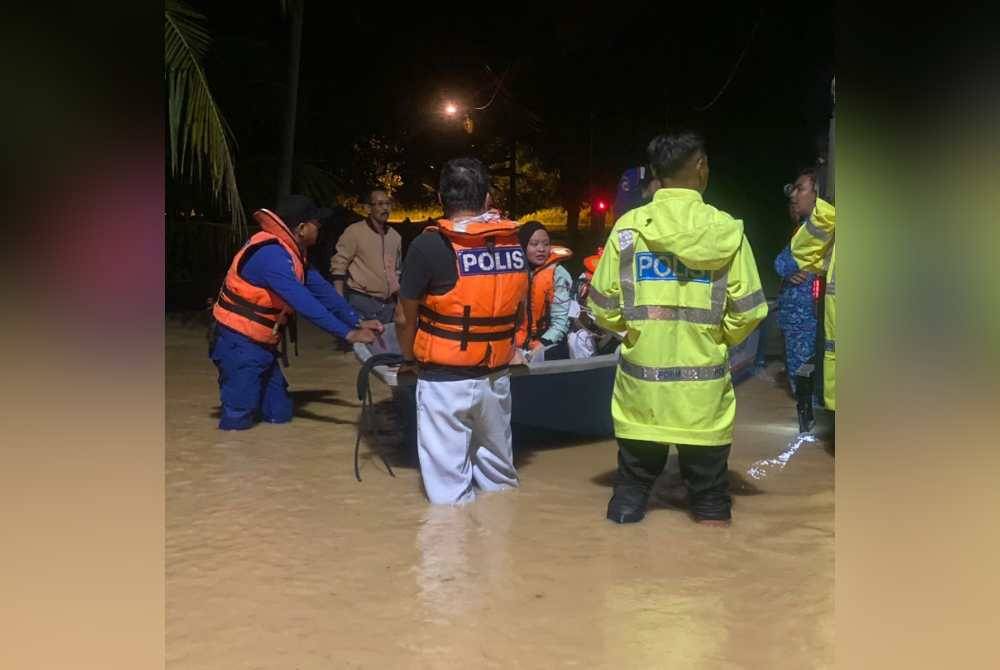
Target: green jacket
(814, 249)
(680, 277)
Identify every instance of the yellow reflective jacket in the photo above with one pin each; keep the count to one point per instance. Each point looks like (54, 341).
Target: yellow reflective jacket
(814, 249)
(679, 277)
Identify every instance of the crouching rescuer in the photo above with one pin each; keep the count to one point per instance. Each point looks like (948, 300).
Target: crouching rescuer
(679, 277)
(461, 290)
(268, 282)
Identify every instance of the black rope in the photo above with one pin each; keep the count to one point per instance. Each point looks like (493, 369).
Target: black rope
(367, 405)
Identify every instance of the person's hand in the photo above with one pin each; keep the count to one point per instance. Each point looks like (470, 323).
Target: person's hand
(373, 324)
(518, 358)
(360, 336)
(407, 367)
(536, 345)
(798, 277)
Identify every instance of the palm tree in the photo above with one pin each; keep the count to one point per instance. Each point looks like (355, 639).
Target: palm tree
(201, 142)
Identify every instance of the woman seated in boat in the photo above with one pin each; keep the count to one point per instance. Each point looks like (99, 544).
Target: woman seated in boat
(543, 331)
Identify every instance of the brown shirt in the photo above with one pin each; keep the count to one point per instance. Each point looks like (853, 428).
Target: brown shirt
(369, 261)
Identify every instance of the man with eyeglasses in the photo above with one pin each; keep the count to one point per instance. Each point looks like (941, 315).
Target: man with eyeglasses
(366, 266)
(796, 308)
(814, 249)
(269, 281)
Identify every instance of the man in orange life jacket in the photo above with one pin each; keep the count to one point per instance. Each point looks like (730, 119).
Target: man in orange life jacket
(461, 290)
(268, 281)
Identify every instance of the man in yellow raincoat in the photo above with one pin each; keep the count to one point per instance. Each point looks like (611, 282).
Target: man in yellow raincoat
(814, 250)
(679, 276)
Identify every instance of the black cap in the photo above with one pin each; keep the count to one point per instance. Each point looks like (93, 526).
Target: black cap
(294, 209)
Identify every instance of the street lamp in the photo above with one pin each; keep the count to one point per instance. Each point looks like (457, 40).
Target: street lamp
(452, 110)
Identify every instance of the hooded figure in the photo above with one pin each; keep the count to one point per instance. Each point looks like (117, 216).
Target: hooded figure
(679, 276)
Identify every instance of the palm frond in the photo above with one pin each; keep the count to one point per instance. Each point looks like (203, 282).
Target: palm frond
(200, 138)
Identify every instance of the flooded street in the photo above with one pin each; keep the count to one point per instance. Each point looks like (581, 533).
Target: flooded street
(278, 558)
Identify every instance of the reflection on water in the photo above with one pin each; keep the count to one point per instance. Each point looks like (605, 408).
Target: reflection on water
(762, 468)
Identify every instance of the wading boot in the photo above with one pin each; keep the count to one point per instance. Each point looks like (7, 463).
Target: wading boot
(632, 487)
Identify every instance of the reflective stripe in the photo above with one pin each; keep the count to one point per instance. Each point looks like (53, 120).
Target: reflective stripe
(719, 294)
(831, 289)
(631, 312)
(746, 303)
(601, 300)
(662, 313)
(626, 242)
(831, 346)
(711, 316)
(678, 374)
(816, 232)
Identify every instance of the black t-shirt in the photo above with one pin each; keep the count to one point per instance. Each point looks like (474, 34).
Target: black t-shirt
(430, 268)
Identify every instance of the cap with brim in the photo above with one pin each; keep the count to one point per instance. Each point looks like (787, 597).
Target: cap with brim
(296, 209)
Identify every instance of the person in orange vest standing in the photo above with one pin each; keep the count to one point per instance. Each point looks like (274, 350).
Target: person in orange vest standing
(463, 284)
(268, 281)
(546, 323)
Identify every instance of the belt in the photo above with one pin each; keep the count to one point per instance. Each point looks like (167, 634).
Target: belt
(348, 289)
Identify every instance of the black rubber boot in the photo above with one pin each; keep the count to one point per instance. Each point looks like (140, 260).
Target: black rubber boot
(628, 504)
(639, 465)
(804, 397)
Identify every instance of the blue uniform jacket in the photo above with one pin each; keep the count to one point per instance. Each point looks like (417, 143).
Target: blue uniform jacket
(796, 313)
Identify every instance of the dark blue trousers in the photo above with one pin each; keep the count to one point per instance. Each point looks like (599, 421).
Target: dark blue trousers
(251, 382)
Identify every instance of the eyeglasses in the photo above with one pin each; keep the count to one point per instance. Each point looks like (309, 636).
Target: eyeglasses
(790, 189)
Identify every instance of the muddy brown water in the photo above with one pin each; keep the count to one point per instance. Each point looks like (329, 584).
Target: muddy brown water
(277, 558)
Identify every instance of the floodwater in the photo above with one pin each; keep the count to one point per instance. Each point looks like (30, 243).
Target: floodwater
(278, 558)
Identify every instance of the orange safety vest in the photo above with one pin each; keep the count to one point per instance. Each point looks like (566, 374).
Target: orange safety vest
(247, 308)
(540, 294)
(473, 324)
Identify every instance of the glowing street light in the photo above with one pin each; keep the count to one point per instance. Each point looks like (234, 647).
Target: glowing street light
(451, 109)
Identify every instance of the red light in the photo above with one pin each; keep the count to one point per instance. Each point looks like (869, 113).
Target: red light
(601, 205)
(815, 288)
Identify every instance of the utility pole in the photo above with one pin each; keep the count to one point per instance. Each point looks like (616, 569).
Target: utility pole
(513, 178)
(295, 8)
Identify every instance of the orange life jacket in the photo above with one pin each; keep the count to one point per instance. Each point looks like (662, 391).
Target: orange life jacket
(249, 309)
(473, 325)
(590, 262)
(540, 295)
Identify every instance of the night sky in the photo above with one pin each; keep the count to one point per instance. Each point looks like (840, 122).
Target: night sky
(584, 89)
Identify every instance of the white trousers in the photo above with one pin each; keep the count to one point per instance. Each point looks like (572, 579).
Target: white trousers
(463, 437)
